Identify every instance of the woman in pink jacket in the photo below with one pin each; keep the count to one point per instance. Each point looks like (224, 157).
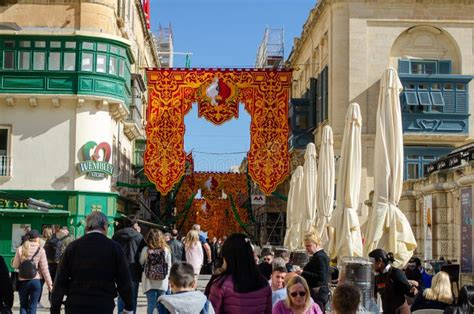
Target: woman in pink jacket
(29, 289)
(239, 287)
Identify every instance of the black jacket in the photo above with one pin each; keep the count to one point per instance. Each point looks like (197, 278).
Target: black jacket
(316, 272)
(132, 244)
(91, 272)
(6, 289)
(177, 250)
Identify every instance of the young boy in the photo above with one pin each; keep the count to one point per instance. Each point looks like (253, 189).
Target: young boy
(184, 298)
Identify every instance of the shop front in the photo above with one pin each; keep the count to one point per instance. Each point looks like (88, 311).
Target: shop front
(68, 208)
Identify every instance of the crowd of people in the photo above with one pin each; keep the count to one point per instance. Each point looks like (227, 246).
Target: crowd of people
(95, 274)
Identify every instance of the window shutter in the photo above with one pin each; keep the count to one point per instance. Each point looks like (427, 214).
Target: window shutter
(444, 67)
(424, 98)
(313, 85)
(449, 104)
(461, 103)
(325, 111)
(319, 99)
(411, 99)
(404, 66)
(437, 98)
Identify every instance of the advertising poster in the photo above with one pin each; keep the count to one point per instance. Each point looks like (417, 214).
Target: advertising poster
(18, 230)
(427, 227)
(466, 230)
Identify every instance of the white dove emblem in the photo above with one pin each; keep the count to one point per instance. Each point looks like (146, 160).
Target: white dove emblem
(213, 91)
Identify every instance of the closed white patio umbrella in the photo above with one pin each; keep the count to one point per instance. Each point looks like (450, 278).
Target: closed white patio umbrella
(387, 227)
(294, 210)
(347, 240)
(325, 187)
(310, 179)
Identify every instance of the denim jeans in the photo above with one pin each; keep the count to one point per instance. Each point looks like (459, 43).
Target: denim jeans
(29, 291)
(152, 296)
(120, 304)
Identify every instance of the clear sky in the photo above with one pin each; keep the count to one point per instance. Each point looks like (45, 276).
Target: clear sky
(224, 33)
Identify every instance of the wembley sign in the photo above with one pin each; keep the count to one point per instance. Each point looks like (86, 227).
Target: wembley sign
(96, 165)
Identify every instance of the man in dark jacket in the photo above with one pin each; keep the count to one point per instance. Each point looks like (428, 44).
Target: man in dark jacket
(91, 272)
(132, 243)
(177, 247)
(6, 289)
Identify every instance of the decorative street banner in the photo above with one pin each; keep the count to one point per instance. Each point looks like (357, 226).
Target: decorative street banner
(427, 226)
(466, 230)
(218, 93)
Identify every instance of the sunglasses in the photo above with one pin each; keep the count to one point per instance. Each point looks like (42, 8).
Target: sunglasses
(295, 294)
(267, 259)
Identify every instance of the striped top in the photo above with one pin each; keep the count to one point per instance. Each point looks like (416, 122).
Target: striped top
(40, 261)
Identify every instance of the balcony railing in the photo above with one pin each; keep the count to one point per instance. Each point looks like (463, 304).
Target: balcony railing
(5, 166)
(435, 103)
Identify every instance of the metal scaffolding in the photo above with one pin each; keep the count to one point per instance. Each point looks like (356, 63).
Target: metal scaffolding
(164, 44)
(271, 52)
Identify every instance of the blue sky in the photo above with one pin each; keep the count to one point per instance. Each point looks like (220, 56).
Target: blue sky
(224, 33)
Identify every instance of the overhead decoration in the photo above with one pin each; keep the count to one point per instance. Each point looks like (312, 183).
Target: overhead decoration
(218, 92)
(219, 210)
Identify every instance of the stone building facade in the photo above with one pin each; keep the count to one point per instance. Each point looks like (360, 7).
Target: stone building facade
(441, 211)
(72, 106)
(342, 52)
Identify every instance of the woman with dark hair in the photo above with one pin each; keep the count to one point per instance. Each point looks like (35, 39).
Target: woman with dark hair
(238, 287)
(391, 283)
(465, 302)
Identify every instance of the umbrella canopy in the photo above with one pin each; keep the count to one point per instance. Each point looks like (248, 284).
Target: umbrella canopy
(310, 178)
(347, 240)
(325, 187)
(387, 226)
(293, 209)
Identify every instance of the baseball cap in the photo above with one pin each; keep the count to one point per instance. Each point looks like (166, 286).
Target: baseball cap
(33, 234)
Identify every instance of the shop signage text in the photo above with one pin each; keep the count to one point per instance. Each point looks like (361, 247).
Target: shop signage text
(96, 165)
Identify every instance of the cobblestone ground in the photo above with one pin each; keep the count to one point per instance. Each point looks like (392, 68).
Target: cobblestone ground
(141, 308)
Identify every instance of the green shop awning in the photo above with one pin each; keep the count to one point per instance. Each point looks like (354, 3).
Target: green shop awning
(30, 212)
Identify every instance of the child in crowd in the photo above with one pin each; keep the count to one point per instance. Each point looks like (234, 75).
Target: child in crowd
(184, 298)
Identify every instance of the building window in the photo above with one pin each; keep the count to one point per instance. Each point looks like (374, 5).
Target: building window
(121, 68)
(101, 47)
(113, 65)
(40, 44)
(69, 61)
(25, 44)
(101, 63)
(38, 62)
(417, 158)
(424, 67)
(87, 45)
(55, 44)
(87, 61)
(54, 61)
(24, 60)
(5, 158)
(70, 45)
(9, 60)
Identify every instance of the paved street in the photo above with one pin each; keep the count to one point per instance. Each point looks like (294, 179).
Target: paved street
(141, 309)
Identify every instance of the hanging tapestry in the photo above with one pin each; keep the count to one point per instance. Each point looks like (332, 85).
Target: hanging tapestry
(218, 92)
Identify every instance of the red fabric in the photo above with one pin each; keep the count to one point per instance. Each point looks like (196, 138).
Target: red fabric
(146, 9)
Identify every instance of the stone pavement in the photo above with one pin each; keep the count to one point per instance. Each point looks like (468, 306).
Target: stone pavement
(141, 308)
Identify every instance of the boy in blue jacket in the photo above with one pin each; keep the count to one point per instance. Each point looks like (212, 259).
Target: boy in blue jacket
(184, 298)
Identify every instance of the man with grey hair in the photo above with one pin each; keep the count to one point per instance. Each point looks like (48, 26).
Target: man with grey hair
(92, 271)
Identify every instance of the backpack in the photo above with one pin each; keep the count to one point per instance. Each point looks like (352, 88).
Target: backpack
(27, 269)
(156, 267)
(54, 249)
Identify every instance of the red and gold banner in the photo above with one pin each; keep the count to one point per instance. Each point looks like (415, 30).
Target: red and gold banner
(213, 211)
(218, 92)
